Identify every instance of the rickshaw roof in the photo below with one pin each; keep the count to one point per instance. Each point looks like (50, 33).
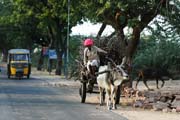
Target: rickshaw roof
(18, 51)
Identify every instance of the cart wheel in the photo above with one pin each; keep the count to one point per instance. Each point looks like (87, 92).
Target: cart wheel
(82, 92)
(118, 95)
(8, 71)
(9, 76)
(19, 78)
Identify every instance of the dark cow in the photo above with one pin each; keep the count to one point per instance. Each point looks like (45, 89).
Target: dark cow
(152, 73)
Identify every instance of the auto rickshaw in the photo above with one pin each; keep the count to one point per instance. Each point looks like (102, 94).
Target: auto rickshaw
(18, 63)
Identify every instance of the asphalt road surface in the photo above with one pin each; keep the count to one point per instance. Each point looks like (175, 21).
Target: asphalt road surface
(30, 99)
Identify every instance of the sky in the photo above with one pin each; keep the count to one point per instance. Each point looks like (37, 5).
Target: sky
(90, 29)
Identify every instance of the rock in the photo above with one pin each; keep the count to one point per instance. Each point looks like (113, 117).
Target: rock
(177, 97)
(166, 93)
(178, 109)
(150, 100)
(166, 100)
(173, 110)
(139, 94)
(160, 105)
(138, 103)
(165, 110)
(147, 106)
(175, 104)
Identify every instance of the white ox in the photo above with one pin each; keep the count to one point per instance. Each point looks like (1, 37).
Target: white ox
(109, 79)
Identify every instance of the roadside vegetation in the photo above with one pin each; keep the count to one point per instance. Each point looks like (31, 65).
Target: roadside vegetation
(46, 23)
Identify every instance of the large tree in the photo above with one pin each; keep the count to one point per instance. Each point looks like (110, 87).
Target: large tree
(44, 21)
(135, 14)
(18, 31)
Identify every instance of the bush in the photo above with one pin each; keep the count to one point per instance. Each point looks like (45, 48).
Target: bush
(158, 54)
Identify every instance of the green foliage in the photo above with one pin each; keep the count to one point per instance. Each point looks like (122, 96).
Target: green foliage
(161, 49)
(157, 52)
(133, 22)
(172, 14)
(75, 43)
(35, 58)
(30, 22)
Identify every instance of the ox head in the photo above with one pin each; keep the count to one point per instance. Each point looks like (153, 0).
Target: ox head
(122, 72)
(117, 72)
(118, 75)
(119, 69)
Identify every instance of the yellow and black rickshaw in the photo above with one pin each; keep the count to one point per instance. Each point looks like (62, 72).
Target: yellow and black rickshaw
(18, 63)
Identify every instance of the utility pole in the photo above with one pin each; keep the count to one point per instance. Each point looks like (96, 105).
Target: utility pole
(67, 48)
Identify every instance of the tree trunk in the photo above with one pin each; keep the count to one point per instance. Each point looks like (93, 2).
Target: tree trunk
(52, 36)
(59, 54)
(133, 43)
(41, 61)
(122, 43)
(50, 62)
(59, 44)
(103, 26)
(59, 63)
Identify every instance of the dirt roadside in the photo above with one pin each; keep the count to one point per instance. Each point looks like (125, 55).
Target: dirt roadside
(128, 111)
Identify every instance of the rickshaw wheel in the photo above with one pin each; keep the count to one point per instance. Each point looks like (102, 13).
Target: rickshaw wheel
(82, 92)
(9, 76)
(8, 71)
(28, 76)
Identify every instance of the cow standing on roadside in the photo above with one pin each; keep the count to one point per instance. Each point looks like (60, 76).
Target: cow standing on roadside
(152, 73)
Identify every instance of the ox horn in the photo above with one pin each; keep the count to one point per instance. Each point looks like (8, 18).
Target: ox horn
(124, 59)
(111, 61)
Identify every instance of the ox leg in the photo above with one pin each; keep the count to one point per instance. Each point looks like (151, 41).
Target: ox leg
(108, 94)
(157, 83)
(162, 83)
(145, 83)
(114, 92)
(138, 79)
(101, 96)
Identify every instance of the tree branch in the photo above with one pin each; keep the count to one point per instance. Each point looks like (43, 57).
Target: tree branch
(103, 26)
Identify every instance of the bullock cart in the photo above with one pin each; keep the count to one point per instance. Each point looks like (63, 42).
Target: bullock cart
(89, 82)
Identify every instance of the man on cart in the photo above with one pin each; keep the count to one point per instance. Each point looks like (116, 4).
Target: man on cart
(91, 60)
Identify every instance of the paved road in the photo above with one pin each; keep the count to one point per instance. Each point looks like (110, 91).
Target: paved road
(34, 100)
